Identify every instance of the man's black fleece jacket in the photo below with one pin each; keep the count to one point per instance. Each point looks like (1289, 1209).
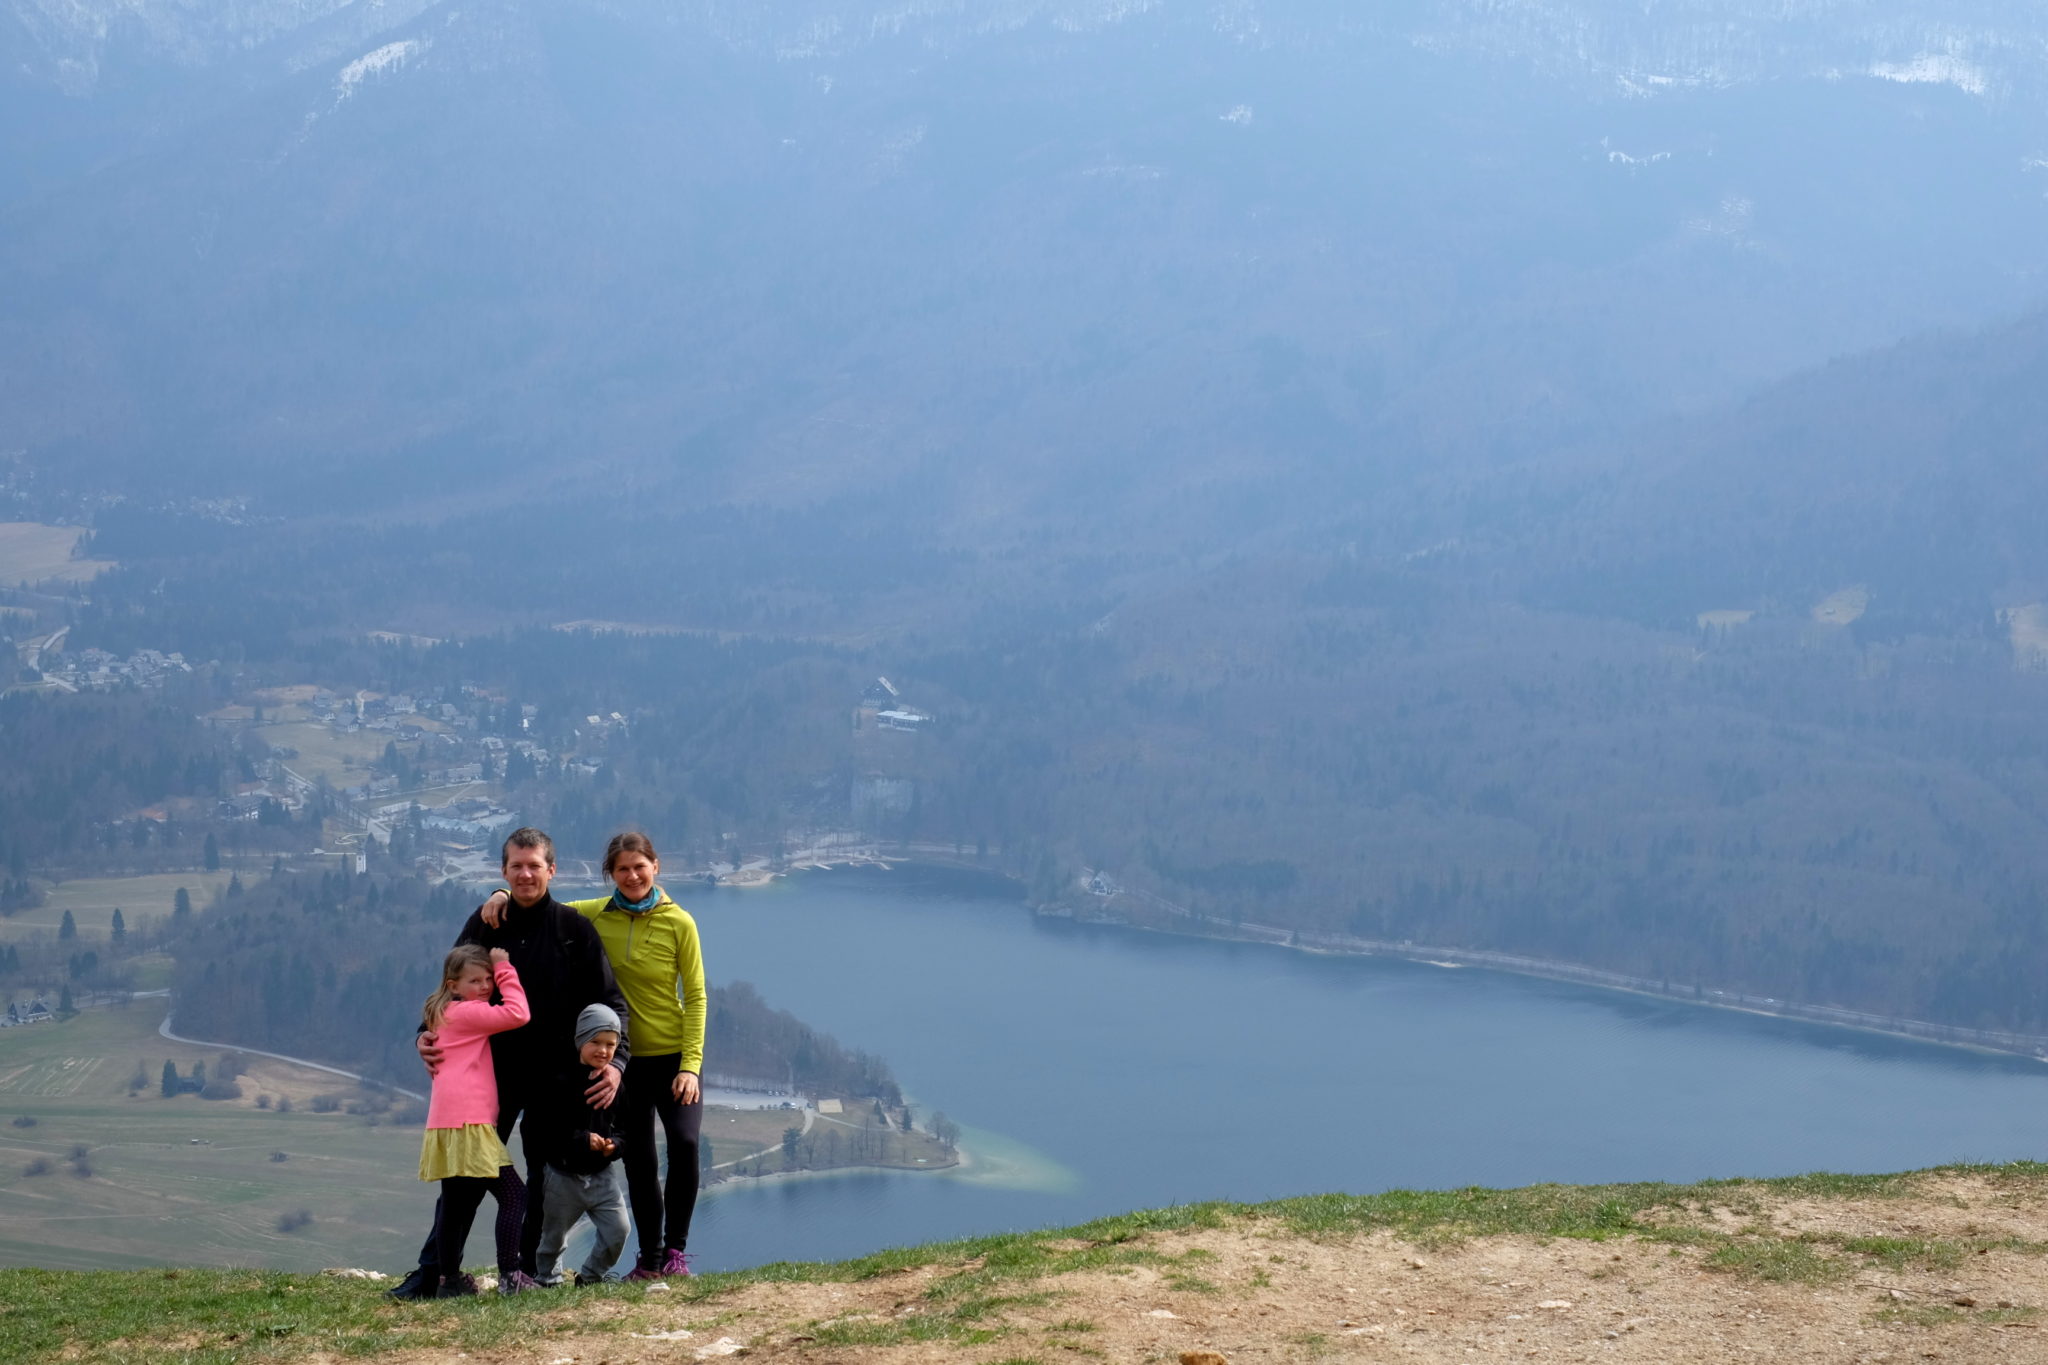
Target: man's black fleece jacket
(562, 968)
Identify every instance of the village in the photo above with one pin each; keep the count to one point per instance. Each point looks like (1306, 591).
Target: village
(425, 777)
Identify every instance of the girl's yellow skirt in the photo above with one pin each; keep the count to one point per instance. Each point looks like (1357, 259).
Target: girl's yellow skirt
(472, 1150)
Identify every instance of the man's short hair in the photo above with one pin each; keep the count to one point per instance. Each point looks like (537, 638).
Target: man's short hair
(527, 837)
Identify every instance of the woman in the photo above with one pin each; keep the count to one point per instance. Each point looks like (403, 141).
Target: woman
(652, 944)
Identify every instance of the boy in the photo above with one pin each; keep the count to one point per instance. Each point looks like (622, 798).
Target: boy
(579, 1145)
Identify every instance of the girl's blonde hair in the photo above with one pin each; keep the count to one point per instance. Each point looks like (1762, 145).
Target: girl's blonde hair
(460, 958)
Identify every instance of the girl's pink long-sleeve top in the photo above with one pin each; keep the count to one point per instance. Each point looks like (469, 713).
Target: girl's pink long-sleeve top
(465, 1088)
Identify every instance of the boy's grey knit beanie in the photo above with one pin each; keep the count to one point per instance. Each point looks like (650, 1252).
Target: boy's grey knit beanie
(597, 1019)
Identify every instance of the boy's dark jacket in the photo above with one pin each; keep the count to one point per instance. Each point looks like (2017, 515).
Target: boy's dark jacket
(565, 1120)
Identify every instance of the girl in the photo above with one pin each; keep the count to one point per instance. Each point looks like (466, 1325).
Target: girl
(462, 1148)
(652, 944)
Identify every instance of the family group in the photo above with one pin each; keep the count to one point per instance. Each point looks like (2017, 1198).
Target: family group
(583, 1023)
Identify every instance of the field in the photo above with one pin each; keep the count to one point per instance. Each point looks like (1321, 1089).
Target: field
(31, 553)
(340, 758)
(186, 1180)
(1842, 608)
(2029, 627)
(92, 901)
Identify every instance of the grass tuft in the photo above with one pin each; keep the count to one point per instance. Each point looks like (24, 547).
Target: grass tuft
(1777, 1259)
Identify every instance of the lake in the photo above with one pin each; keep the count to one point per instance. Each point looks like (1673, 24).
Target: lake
(1098, 1070)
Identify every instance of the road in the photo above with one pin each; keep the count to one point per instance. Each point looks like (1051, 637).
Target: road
(165, 1030)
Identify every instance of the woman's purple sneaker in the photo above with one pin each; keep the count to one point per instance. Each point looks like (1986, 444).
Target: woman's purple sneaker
(675, 1265)
(640, 1274)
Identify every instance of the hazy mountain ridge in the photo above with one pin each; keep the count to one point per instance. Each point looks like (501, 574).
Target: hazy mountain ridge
(1090, 229)
(1989, 47)
(77, 44)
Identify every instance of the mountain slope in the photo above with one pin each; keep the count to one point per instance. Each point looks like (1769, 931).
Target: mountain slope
(995, 262)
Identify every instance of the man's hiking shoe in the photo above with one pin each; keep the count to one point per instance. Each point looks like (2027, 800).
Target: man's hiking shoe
(675, 1265)
(457, 1286)
(517, 1282)
(422, 1283)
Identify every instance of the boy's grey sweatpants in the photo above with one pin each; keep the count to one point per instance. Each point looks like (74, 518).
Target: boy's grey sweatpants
(568, 1197)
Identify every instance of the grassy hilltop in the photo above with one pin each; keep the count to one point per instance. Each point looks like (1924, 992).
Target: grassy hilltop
(1941, 1264)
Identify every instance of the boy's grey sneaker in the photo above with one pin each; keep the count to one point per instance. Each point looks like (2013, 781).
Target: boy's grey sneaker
(517, 1282)
(584, 1281)
(457, 1286)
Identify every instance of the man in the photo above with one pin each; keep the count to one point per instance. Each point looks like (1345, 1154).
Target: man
(563, 968)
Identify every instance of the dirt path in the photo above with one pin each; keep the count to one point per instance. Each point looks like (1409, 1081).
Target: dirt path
(1952, 1269)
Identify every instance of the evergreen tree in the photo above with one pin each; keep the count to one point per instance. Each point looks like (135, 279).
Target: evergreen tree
(234, 885)
(64, 1005)
(120, 929)
(170, 1078)
(181, 908)
(211, 855)
(69, 928)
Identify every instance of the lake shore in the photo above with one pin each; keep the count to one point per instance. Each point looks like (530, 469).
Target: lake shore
(1134, 909)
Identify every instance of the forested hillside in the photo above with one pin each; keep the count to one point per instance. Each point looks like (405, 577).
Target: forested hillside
(80, 769)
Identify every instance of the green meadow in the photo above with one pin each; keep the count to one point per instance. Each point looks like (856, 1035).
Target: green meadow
(93, 900)
(94, 1176)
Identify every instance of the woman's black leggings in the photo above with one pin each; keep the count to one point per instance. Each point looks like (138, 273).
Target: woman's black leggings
(461, 1196)
(661, 1216)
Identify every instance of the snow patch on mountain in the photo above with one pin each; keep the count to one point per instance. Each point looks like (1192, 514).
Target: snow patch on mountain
(389, 57)
(1617, 157)
(1934, 68)
(70, 40)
